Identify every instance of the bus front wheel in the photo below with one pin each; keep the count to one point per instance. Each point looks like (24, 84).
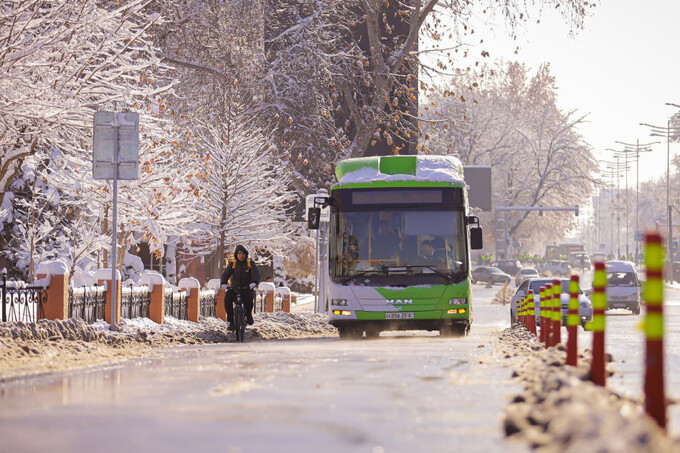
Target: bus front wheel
(349, 333)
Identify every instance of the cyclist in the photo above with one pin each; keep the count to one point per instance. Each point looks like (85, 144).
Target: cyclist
(242, 272)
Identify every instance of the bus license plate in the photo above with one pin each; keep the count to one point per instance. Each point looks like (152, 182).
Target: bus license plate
(399, 315)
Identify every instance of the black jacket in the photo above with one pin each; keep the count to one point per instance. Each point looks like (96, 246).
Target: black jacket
(241, 273)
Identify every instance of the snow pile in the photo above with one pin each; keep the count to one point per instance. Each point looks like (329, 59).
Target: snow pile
(560, 410)
(280, 325)
(43, 346)
(429, 168)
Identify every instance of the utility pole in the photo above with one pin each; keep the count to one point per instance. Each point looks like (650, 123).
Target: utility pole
(667, 131)
(636, 148)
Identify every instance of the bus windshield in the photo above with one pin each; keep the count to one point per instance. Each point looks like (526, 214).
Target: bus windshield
(394, 242)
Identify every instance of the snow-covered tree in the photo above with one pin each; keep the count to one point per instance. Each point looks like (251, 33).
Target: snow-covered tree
(506, 118)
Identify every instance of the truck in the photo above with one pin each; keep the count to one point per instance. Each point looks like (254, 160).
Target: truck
(562, 251)
(399, 241)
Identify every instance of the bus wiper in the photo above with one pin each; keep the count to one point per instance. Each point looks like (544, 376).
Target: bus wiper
(349, 278)
(448, 277)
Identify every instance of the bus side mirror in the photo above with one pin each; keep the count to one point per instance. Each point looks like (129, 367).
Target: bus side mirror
(476, 241)
(313, 217)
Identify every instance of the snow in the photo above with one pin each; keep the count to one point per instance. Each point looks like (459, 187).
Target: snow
(152, 278)
(105, 274)
(83, 279)
(266, 286)
(214, 283)
(56, 267)
(429, 168)
(189, 283)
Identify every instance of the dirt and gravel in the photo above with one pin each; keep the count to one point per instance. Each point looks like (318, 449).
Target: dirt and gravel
(48, 346)
(560, 410)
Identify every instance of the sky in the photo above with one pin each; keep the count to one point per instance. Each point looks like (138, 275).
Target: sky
(620, 69)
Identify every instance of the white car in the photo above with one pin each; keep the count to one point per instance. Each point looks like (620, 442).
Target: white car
(524, 274)
(585, 309)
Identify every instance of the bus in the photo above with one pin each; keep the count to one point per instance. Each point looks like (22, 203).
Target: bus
(399, 241)
(562, 251)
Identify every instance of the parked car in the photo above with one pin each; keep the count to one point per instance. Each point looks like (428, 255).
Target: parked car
(510, 267)
(525, 273)
(554, 267)
(585, 309)
(623, 286)
(489, 274)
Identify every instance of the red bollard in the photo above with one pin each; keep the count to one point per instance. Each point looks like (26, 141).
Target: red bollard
(532, 311)
(547, 320)
(597, 365)
(556, 328)
(573, 321)
(541, 313)
(655, 394)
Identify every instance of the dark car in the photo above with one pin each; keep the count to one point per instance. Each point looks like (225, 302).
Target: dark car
(489, 274)
(510, 267)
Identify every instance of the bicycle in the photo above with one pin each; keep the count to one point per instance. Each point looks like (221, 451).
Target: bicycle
(240, 316)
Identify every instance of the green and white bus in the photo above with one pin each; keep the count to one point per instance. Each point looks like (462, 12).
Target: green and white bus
(399, 240)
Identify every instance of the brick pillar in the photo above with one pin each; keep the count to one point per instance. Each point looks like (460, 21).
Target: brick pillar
(286, 302)
(269, 301)
(220, 311)
(194, 308)
(56, 306)
(157, 306)
(107, 310)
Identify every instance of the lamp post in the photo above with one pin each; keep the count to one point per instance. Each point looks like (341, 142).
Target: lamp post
(610, 173)
(637, 148)
(661, 131)
(617, 166)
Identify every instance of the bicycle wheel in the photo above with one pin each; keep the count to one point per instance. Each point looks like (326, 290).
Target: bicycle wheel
(240, 324)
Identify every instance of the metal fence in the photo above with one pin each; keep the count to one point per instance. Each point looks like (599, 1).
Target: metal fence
(21, 302)
(176, 304)
(207, 302)
(87, 303)
(259, 302)
(135, 302)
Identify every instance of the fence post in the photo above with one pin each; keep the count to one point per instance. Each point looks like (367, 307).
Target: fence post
(56, 306)
(193, 289)
(157, 305)
(573, 321)
(655, 393)
(556, 327)
(268, 289)
(597, 365)
(156, 283)
(104, 275)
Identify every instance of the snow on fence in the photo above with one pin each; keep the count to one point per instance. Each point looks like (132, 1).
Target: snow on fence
(176, 304)
(135, 301)
(208, 300)
(87, 303)
(21, 302)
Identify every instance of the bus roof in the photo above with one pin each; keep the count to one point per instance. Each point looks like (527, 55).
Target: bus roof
(421, 168)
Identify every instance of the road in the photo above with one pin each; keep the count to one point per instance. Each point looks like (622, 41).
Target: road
(395, 393)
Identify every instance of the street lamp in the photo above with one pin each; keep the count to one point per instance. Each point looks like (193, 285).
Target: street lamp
(637, 149)
(660, 131)
(610, 173)
(617, 166)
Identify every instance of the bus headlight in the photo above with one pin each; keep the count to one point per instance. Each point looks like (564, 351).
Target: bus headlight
(339, 302)
(458, 301)
(342, 313)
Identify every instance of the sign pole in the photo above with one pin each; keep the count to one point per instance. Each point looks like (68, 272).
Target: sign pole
(114, 227)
